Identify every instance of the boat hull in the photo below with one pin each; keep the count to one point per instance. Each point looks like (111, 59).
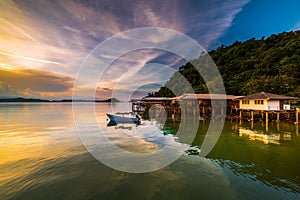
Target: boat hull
(122, 119)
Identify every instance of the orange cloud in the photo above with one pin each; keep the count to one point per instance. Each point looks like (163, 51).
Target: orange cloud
(34, 83)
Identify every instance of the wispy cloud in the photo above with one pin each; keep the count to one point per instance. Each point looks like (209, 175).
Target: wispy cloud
(29, 58)
(296, 26)
(58, 38)
(164, 14)
(212, 20)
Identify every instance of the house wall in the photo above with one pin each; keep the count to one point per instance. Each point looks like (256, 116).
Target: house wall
(268, 105)
(273, 105)
(253, 106)
(286, 107)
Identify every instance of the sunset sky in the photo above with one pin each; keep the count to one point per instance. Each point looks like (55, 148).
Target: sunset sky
(43, 43)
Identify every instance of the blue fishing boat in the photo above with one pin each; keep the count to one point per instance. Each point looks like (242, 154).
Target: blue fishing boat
(124, 119)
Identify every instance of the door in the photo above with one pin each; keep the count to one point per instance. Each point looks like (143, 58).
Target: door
(281, 105)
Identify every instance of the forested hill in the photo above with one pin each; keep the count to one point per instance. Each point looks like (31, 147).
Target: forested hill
(268, 64)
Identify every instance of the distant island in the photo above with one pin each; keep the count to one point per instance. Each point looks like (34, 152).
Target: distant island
(21, 99)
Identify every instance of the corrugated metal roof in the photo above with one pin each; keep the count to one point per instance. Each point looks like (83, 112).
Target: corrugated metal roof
(156, 99)
(208, 96)
(269, 96)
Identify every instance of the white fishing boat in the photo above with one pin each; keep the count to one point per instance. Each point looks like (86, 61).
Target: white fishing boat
(124, 119)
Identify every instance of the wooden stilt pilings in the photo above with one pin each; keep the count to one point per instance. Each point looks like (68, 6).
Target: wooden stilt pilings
(297, 117)
(206, 111)
(278, 117)
(252, 115)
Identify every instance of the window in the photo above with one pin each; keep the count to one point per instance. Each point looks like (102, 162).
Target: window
(286, 102)
(258, 101)
(245, 101)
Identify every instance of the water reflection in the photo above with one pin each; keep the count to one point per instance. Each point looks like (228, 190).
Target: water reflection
(41, 157)
(243, 151)
(275, 164)
(265, 138)
(268, 133)
(32, 134)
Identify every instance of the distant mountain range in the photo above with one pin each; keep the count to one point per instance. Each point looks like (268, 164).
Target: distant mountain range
(21, 99)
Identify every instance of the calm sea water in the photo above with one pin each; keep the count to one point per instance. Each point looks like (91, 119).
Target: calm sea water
(42, 157)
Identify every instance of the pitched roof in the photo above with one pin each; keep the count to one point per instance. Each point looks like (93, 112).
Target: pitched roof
(269, 96)
(208, 96)
(156, 98)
